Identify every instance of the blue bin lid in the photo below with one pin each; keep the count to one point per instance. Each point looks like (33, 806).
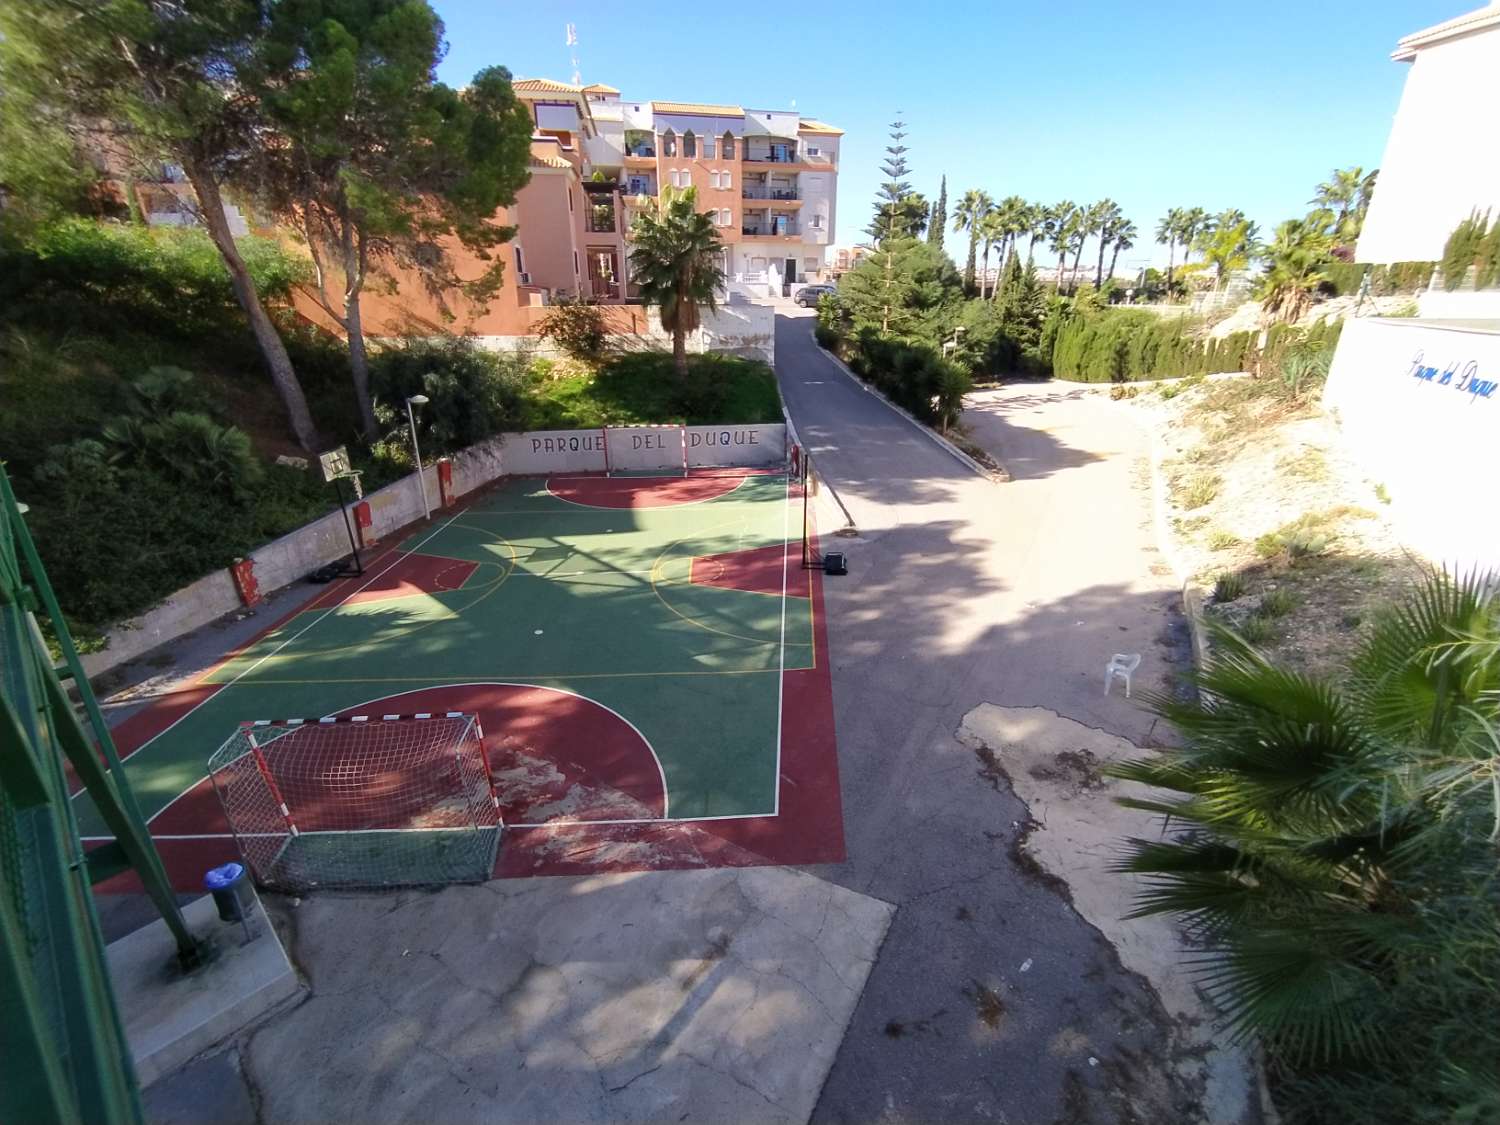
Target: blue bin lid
(223, 876)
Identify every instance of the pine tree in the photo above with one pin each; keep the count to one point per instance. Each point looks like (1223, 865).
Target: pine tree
(895, 188)
(939, 217)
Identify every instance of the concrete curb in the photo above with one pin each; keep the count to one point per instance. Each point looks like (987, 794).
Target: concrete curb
(849, 528)
(1192, 593)
(958, 454)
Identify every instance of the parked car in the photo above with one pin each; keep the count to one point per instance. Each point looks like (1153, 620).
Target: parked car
(809, 295)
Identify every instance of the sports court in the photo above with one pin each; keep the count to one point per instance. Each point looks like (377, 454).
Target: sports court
(645, 654)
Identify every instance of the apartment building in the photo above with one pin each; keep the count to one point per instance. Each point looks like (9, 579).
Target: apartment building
(767, 178)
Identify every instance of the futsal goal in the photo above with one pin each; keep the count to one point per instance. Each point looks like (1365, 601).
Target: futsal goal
(362, 801)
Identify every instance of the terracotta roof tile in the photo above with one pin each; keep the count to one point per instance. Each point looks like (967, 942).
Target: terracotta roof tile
(698, 108)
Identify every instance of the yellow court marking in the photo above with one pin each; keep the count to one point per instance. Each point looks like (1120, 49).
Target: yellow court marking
(406, 633)
(660, 560)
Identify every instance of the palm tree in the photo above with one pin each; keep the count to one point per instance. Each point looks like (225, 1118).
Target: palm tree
(1037, 216)
(991, 231)
(677, 264)
(1328, 837)
(1060, 226)
(1086, 221)
(1169, 230)
(1195, 221)
(1106, 213)
(1014, 222)
(1123, 235)
(969, 213)
(1296, 262)
(1340, 193)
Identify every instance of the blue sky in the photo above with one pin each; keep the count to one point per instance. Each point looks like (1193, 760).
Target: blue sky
(1155, 103)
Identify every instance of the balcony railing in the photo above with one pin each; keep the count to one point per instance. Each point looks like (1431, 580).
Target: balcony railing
(599, 219)
(773, 156)
(772, 231)
(769, 193)
(640, 150)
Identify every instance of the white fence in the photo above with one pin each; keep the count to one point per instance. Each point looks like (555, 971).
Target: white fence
(669, 449)
(1419, 406)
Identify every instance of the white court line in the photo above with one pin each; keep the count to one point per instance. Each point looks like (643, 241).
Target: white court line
(786, 515)
(644, 507)
(661, 773)
(141, 749)
(545, 824)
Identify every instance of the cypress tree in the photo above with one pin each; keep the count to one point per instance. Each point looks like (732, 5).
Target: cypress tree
(939, 218)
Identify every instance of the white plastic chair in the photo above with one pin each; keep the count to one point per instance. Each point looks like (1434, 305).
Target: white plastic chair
(1121, 664)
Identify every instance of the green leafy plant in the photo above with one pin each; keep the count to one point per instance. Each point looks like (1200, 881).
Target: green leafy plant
(1221, 540)
(1229, 586)
(1462, 250)
(1331, 849)
(1200, 490)
(1276, 603)
(1257, 630)
(578, 328)
(676, 265)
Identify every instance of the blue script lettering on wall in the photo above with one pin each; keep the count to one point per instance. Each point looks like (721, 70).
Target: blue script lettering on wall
(1459, 375)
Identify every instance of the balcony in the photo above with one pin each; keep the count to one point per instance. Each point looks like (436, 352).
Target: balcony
(776, 154)
(772, 194)
(599, 218)
(782, 229)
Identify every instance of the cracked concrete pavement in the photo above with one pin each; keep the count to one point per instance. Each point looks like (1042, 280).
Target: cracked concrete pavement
(719, 995)
(994, 997)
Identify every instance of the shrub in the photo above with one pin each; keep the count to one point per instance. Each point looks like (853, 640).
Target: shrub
(1462, 250)
(1276, 603)
(1229, 586)
(1305, 369)
(1200, 490)
(826, 337)
(913, 375)
(1256, 629)
(578, 328)
(473, 394)
(1222, 540)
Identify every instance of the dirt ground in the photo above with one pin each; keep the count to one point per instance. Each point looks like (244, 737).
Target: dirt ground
(1261, 491)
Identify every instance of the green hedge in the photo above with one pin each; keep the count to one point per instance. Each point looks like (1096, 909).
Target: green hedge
(1118, 347)
(915, 376)
(1345, 278)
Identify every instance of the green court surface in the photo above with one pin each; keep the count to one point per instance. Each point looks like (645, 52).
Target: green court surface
(580, 617)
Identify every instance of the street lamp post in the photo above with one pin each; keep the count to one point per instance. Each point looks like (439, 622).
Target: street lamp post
(411, 421)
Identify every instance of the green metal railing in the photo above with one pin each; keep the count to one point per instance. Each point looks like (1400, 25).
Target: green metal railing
(63, 1051)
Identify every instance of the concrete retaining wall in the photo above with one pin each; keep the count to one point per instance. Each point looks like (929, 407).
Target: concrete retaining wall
(296, 554)
(1419, 406)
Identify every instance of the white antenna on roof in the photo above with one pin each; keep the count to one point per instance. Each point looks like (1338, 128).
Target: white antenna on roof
(573, 42)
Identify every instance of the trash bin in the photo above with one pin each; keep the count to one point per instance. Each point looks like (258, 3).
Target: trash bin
(233, 892)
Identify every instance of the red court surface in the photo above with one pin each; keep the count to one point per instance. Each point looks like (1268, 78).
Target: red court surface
(581, 789)
(638, 492)
(759, 570)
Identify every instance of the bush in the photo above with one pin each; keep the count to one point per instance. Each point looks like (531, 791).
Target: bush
(473, 393)
(77, 274)
(1229, 586)
(1345, 278)
(578, 328)
(1463, 250)
(915, 376)
(826, 337)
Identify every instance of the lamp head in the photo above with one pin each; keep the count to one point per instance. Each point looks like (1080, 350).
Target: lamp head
(418, 400)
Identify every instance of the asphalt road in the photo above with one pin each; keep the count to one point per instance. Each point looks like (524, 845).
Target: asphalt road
(991, 998)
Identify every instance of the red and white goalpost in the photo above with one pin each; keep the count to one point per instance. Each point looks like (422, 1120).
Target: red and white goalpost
(362, 801)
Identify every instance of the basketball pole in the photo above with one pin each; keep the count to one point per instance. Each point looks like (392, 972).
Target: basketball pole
(359, 566)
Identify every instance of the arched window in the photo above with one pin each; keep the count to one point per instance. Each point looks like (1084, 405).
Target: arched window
(727, 150)
(689, 144)
(669, 143)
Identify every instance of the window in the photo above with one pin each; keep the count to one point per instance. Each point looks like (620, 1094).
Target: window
(669, 143)
(817, 222)
(725, 181)
(575, 263)
(520, 261)
(708, 147)
(725, 218)
(728, 149)
(811, 151)
(570, 199)
(689, 144)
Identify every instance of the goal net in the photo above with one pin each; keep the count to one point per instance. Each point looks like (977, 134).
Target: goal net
(365, 801)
